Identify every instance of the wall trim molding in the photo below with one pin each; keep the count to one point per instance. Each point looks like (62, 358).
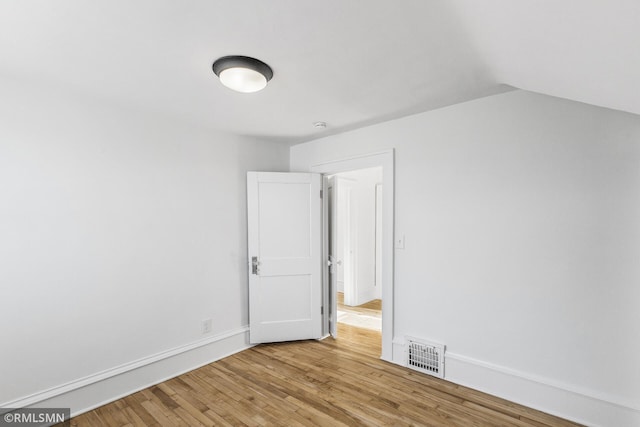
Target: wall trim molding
(35, 398)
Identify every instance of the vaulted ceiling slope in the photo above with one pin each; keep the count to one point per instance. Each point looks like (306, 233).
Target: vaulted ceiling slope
(349, 63)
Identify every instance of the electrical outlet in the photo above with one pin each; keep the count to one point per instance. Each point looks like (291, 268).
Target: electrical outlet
(206, 326)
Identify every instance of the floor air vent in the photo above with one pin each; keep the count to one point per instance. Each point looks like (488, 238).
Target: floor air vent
(425, 357)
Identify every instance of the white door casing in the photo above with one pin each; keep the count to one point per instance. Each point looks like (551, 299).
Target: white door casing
(386, 160)
(284, 212)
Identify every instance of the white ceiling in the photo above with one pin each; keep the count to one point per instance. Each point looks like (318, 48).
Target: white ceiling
(346, 62)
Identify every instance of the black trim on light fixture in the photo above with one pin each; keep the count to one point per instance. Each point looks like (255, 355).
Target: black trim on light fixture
(226, 62)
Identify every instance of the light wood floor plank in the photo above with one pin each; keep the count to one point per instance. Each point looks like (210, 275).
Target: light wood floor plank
(313, 383)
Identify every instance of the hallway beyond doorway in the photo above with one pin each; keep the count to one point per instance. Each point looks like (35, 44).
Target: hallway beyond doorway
(367, 315)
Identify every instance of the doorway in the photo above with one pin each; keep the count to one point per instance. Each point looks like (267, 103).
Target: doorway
(384, 160)
(357, 251)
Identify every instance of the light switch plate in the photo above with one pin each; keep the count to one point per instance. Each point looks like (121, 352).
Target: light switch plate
(400, 241)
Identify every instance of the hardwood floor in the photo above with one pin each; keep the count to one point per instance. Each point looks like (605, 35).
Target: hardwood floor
(312, 383)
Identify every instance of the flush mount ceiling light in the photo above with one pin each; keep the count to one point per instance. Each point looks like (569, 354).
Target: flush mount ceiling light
(242, 74)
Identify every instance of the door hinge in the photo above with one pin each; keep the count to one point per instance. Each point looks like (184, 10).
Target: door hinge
(321, 194)
(322, 310)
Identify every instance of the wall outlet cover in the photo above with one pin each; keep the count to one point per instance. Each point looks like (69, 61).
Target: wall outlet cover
(206, 326)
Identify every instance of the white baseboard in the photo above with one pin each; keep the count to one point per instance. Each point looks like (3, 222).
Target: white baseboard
(87, 393)
(543, 394)
(368, 295)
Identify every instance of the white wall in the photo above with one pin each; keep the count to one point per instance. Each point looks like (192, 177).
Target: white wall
(345, 223)
(363, 193)
(520, 213)
(119, 233)
(378, 277)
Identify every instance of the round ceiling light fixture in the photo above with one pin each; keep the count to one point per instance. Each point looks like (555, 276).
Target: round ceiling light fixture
(242, 73)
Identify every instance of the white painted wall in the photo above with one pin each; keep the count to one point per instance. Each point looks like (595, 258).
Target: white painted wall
(119, 233)
(520, 213)
(363, 184)
(378, 240)
(345, 236)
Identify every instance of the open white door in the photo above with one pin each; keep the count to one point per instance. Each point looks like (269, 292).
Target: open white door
(285, 256)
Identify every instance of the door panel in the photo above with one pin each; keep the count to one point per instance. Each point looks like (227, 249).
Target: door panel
(284, 220)
(296, 288)
(285, 231)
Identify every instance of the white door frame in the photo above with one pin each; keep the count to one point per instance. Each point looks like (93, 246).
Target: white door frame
(384, 159)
